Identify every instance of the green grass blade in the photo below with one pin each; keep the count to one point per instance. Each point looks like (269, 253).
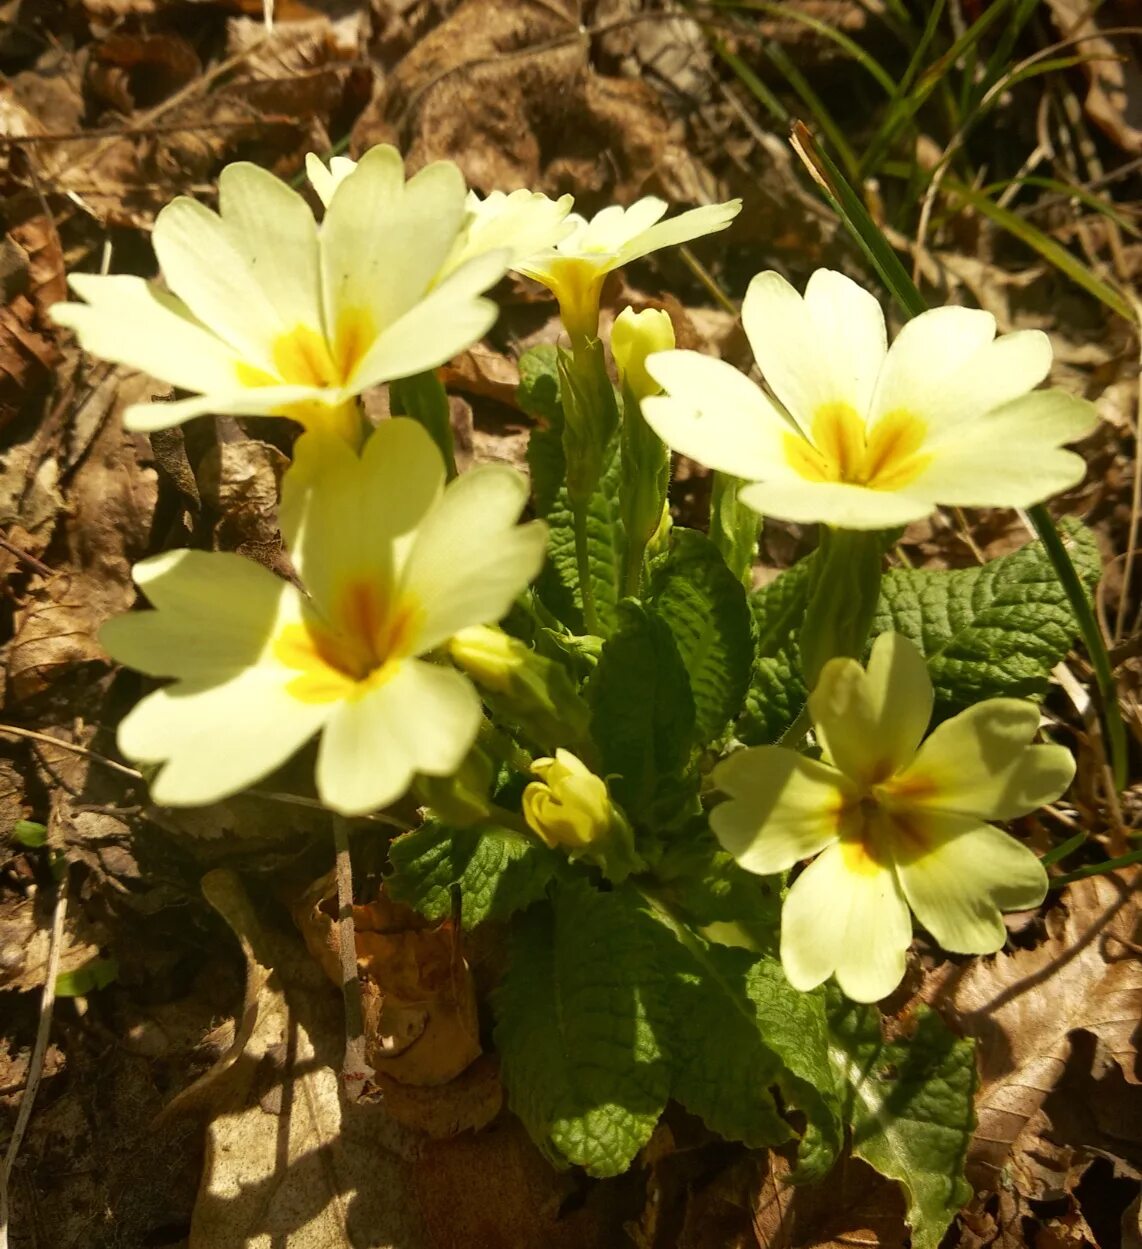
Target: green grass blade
(846, 43)
(753, 83)
(1068, 191)
(1051, 251)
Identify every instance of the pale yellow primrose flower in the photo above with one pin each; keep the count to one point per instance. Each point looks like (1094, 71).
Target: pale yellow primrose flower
(635, 336)
(575, 268)
(522, 222)
(268, 313)
(872, 436)
(394, 563)
(894, 823)
(569, 805)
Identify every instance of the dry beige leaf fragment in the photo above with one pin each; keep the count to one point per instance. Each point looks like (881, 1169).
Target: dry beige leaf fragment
(288, 1161)
(1025, 1007)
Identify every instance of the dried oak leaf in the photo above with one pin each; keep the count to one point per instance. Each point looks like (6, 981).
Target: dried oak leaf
(508, 92)
(1025, 1007)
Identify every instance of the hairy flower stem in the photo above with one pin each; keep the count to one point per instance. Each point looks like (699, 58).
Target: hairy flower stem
(355, 1071)
(583, 569)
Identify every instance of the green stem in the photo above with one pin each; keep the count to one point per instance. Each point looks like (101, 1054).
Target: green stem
(1092, 637)
(583, 567)
(1097, 869)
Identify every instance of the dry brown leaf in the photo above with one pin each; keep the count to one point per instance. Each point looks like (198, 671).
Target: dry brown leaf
(1114, 95)
(418, 993)
(111, 498)
(25, 940)
(509, 93)
(1025, 1007)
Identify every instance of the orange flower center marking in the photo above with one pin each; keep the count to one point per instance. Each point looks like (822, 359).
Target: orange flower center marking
(877, 831)
(843, 449)
(359, 648)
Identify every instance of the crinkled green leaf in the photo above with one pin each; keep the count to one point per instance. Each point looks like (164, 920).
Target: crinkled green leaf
(776, 691)
(735, 1029)
(705, 607)
(706, 888)
(498, 870)
(582, 1065)
(642, 711)
(538, 392)
(989, 632)
(558, 583)
(909, 1103)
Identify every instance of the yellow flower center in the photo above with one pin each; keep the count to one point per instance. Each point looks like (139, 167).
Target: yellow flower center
(877, 829)
(303, 356)
(843, 449)
(358, 649)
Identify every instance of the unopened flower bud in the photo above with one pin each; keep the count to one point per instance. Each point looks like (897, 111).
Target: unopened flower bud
(635, 336)
(534, 693)
(569, 808)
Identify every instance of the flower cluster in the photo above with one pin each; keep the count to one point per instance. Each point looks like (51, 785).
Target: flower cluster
(383, 646)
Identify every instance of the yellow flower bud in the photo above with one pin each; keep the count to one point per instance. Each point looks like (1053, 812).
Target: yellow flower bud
(635, 336)
(568, 806)
(489, 656)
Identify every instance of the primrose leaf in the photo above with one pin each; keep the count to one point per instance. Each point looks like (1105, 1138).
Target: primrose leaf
(909, 1103)
(558, 583)
(736, 1029)
(642, 711)
(703, 884)
(499, 871)
(538, 392)
(581, 1063)
(776, 690)
(989, 632)
(705, 607)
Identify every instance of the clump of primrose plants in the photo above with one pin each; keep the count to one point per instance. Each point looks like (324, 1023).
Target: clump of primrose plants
(707, 816)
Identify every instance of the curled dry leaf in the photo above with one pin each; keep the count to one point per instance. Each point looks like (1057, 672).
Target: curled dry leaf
(419, 998)
(1025, 1007)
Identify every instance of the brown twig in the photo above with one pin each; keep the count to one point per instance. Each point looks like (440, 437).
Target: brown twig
(36, 1065)
(27, 558)
(355, 1071)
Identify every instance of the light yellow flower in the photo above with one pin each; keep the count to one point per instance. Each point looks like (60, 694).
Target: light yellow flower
(522, 222)
(393, 563)
(865, 436)
(569, 805)
(268, 313)
(575, 268)
(635, 336)
(895, 824)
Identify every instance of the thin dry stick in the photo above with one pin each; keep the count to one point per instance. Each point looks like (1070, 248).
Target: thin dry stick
(355, 1071)
(295, 800)
(36, 1066)
(12, 731)
(29, 559)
